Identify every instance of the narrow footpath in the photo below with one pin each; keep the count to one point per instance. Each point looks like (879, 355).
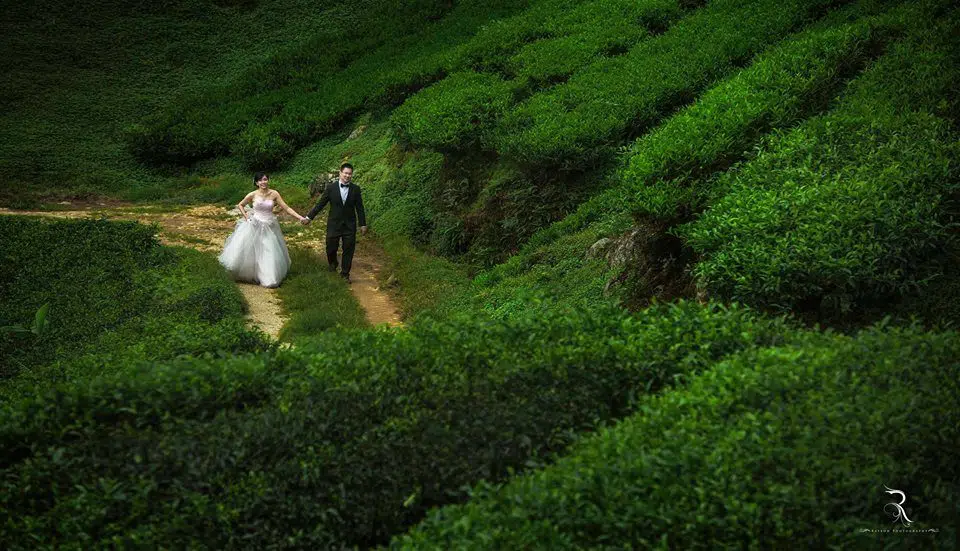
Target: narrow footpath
(205, 228)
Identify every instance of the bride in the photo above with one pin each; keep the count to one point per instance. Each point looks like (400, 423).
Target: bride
(256, 252)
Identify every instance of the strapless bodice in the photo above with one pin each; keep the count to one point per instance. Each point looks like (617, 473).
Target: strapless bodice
(264, 206)
(263, 209)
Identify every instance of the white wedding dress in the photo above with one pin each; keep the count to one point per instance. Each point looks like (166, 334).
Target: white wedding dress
(255, 252)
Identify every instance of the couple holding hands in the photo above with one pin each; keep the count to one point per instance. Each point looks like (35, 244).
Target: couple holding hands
(256, 251)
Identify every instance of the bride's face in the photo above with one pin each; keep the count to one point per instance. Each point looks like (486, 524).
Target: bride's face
(263, 183)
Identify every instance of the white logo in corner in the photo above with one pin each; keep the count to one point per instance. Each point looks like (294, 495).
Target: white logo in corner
(895, 509)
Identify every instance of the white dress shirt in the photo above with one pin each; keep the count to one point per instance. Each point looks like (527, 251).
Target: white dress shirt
(343, 191)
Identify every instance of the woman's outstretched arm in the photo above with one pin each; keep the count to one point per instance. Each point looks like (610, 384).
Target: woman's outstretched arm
(283, 205)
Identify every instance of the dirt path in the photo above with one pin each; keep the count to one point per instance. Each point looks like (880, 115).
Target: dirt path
(366, 287)
(206, 227)
(376, 303)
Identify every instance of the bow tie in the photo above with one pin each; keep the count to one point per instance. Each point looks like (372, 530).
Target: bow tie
(344, 185)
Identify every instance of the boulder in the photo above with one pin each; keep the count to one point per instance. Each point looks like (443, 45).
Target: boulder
(649, 263)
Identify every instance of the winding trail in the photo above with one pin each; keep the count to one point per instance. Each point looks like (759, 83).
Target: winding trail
(205, 228)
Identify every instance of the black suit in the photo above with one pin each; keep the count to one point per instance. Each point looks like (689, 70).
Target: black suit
(341, 222)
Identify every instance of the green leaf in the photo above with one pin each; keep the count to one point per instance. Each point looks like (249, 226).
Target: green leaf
(40, 322)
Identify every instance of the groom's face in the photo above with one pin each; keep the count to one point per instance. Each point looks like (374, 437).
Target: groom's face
(346, 174)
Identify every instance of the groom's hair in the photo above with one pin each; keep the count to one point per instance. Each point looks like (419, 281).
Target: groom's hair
(346, 165)
(258, 176)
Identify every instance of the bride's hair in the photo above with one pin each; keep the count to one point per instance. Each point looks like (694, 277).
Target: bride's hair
(258, 176)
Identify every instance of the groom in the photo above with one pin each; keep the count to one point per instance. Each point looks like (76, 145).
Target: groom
(346, 206)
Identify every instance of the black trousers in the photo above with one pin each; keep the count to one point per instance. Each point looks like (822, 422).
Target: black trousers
(349, 245)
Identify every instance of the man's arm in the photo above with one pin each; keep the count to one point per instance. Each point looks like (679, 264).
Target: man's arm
(324, 199)
(361, 214)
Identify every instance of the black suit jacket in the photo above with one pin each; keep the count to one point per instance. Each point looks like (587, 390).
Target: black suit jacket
(343, 216)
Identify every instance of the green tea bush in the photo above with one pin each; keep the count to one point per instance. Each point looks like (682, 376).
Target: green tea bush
(551, 60)
(86, 270)
(307, 104)
(113, 293)
(847, 209)
(308, 90)
(783, 84)
(591, 29)
(491, 48)
(459, 114)
(654, 15)
(830, 235)
(663, 170)
(200, 127)
(456, 109)
(345, 441)
(602, 103)
(774, 448)
(207, 122)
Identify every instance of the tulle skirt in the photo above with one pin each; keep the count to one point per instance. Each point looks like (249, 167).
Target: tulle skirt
(255, 252)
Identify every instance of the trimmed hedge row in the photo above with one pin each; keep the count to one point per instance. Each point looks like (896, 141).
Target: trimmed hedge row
(777, 448)
(848, 209)
(453, 113)
(592, 29)
(784, 84)
(205, 123)
(491, 48)
(270, 127)
(664, 170)
(598, 106)
(342, 444)
(550, 60)
(458, 114)
(308, 91)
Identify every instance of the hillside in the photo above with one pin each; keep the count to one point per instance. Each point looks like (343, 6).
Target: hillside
(647, 252)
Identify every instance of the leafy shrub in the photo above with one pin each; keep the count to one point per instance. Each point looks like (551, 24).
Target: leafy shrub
(833, 235)
(599, 105)
(782, 85)
(846, 210)
(579, 35)
(495, 42)
(308, 90)
(550, 60)
(459, 113)
(85, 270)
(446, 114)
(341, 443)
(663, 170)
(773, 448)
(266, 121)
(113, 294)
